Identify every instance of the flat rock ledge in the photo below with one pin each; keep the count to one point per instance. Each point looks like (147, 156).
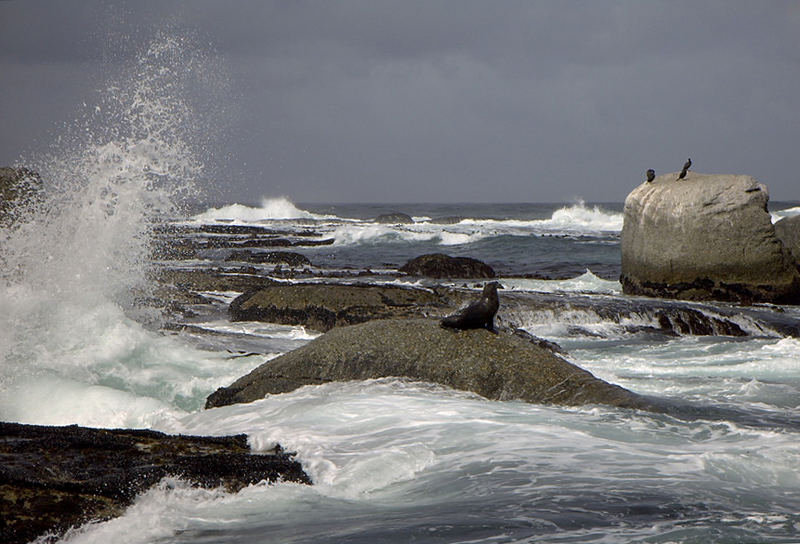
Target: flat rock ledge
(54, 478)
(502, 366)
(706, 237)
(324, 306)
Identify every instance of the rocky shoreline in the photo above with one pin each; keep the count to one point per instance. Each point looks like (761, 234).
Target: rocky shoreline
(55, 478)
(372, 328)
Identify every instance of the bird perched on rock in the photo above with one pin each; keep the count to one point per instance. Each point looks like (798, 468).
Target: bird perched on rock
(686, 167)
(478, 314)
(651, 175)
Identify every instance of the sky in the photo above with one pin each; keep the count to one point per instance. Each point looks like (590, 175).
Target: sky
(437, 100)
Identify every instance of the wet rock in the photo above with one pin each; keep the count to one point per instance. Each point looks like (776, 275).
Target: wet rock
(702, 238)
(788, 232)
(498, 366)
(17, 186)
(439, 265)
(394, 218)
(213, 280)
(271, 257)
(324, 306)
(53, 478)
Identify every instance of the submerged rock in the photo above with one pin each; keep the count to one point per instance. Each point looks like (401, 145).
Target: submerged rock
(705, 237)
(394, 218)
(271, 257)
(323, 306)
(503, 366)
(53, 478)
(439, 265)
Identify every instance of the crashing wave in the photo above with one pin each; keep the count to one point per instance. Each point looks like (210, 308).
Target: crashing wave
(270, 209)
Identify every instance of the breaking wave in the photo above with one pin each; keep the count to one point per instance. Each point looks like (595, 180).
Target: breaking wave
(270, 209)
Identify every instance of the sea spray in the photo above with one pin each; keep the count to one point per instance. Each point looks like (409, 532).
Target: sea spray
(78, 258)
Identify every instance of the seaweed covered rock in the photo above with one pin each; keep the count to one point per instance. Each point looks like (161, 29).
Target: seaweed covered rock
(705, 237)
(324, 306)
(439, 265)
(53, 478)
(504, 366)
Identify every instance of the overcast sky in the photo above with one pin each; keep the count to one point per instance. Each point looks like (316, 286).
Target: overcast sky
(440, 101)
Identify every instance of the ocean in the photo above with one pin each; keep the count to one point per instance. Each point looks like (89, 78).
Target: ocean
(392, 460)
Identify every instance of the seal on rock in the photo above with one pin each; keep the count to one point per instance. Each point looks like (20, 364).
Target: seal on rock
(686, 167)
(477, 315)
(651, 175)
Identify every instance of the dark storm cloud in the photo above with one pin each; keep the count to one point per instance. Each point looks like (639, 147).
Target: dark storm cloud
(452, 100)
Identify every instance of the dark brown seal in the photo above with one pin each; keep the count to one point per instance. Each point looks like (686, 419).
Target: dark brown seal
(477, 315)
(651, 175)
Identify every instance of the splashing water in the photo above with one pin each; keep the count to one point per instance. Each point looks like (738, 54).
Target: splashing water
(78, 257)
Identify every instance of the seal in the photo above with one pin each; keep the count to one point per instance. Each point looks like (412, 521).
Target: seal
(651, 175)
(478, 314)
(686, 167)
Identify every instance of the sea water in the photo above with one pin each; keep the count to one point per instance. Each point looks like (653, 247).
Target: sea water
(392, 460)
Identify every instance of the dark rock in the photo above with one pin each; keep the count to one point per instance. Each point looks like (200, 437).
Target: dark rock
(213, 280)
(272, 257)
(708, 237)
(282, 242)
(322, 306)
(18, 186)
(500, 366)
(53, 478)
(394, 218)
(439, 265)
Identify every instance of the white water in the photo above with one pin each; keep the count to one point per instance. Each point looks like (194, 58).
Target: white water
(570, 220)
(270, 209)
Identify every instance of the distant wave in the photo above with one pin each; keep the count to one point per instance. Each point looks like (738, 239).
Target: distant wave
(582, 218)
(585, 283)
(788, 212)
(577, 218)
(366, 233)
(270, 209)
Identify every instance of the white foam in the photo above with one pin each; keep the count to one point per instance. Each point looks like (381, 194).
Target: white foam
(585, 283)
(270, 209)
(788, 212)
(575, 219)
(258, 328)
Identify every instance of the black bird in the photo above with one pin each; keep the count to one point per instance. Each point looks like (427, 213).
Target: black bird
(687, 164)
(651, 175)
(686, 167)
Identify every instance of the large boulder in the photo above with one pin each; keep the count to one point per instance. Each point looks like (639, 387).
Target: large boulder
(439, 265)
(499, 366)
(788, 231)
(324, 306)
(705, 237)
(53, 478)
